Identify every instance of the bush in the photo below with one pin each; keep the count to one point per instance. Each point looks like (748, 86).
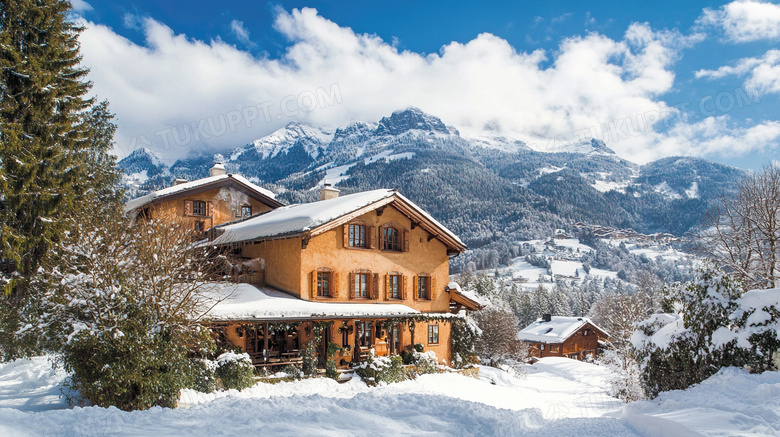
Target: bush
(131, 371)
(291, 371)
(425, 362)
(309, 356)
(203, 375)
(377, 370)
(235, 370)
(331, 371)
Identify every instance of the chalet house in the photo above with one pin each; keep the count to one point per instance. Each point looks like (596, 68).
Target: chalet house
(572, 337)
(363, 271)
(207, 202)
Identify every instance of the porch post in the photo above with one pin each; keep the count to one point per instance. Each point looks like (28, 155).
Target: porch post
(265, 341)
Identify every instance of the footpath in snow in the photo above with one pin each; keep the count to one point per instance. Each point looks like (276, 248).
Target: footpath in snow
(557, 397)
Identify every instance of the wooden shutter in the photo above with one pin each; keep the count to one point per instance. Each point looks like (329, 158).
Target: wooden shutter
(372, 237)
(432, 288)
(351, 285)
(188, 207)
(346, 236)
(415, 291)
(402, 285)
(375, 287)
(334, 286)
(406, 241)
(314, 284)
(382, 237)
(387, 287)
(210, 210)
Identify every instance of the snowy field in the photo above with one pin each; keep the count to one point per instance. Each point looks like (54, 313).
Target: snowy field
(557, 397)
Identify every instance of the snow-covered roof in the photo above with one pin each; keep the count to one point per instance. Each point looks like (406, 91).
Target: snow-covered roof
(556, 330)
(176, 189)
(300, 218)
(248, 302)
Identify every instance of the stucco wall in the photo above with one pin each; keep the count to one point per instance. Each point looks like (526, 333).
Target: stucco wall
(423, 257)
(282, 263)
(226, 203)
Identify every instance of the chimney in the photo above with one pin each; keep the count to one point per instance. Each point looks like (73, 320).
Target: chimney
(179, 181)
(328, 192)
(218, 169)
(547, 317)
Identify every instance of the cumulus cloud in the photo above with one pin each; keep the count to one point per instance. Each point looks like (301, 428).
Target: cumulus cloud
(744, 21)
(80, 5)
(173, 92)
(240, 31)
(761, 73)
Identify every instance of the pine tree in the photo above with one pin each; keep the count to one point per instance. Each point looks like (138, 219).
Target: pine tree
(54, 151)
(42, 104)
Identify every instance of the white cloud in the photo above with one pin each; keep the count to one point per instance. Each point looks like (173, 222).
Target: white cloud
(483, 85)
(80, 5)
(763, 73)
(717, 136)
(744, 21)
(240, 31)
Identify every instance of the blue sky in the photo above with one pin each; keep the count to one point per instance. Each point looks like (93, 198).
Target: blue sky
(674, 78)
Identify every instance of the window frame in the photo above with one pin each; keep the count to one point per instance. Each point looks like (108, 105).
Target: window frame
(196, 208)
(387, 246)
(324, 281)
(357, 282)
(245, 209)
(351, 236)
(423, 279)
(398, 279)
(433, 330)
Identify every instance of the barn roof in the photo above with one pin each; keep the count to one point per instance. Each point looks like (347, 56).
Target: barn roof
(557, 330)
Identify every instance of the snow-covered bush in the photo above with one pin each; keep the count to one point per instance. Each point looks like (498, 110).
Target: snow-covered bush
(497, 343)
(624, 379)
(235, 370)
(204, 378)
(290, 371)
(715, 326)
(425, 362)
(122, 305)
(376, 370)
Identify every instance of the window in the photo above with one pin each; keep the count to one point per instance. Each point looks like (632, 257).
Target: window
(394, 286)
(541, 347)
(584, 332)
(364, 330)
(323, 284)
(391, 239)
(246, 211)
(553, 348)
(360, 285)
(357, 236)
(433, 334)
(199, 207)
(198, 227)
(423, 287)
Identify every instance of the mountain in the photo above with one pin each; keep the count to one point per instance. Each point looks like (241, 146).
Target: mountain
(492, 191)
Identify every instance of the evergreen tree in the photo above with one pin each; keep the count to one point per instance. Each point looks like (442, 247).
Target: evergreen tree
(54, 147)
(43, 130)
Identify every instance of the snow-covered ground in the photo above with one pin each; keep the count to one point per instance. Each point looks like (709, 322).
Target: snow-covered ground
(557, 397)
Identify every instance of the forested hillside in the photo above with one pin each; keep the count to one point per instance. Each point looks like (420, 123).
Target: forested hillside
(492, 192)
